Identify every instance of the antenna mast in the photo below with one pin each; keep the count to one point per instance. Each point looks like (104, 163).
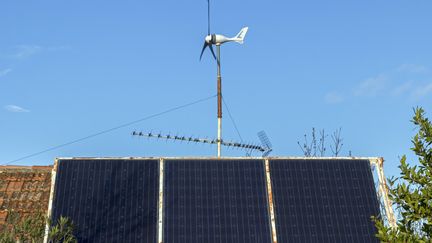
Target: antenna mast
(217, 40)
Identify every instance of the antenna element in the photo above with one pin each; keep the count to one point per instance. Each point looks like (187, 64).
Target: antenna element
(265, 149)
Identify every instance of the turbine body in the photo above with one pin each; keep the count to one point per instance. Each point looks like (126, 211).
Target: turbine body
(216, 39)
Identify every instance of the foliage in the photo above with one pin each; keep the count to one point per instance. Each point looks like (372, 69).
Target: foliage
(29, 229)
(32, 229)
(411, 192)
(62, 231)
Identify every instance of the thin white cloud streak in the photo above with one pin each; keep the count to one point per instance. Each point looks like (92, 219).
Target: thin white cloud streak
(25, 51)
(392, 83)
(57, 48)
(403, 88)
(333, 98)
(371, 86)
(422, 91)
(412, 68)
(5, 72)
(15, 108)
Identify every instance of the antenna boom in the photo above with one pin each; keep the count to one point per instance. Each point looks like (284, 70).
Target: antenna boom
(202, 140)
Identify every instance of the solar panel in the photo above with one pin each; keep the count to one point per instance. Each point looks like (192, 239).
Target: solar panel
(323, 200)
(215, 201)
(108, 200)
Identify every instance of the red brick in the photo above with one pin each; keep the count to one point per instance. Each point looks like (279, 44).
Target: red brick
(39, 177)
(41, 167)
(24, 190)
(3, 216)
(3, 185)
(15, 186)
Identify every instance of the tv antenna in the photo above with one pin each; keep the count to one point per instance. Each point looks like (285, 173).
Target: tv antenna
(265, 141)
(218, 40)
(265, 148)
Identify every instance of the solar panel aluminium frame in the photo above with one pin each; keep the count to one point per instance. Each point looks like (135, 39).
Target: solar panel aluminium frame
(375, 162)
(50, 200)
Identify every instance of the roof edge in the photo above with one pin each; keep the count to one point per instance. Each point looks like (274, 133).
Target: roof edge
(222, 158)
(26, 167)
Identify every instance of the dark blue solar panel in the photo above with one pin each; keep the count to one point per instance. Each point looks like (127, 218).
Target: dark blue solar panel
(215, 201)
(324, 200)
(108, 200)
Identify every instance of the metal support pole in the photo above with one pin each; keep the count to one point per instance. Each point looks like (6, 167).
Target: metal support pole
(160, 202)
(51, 199)
(219, 100)
(270, 201)
(384, 191)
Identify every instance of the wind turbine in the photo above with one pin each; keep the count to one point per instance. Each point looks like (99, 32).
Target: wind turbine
(218, 40)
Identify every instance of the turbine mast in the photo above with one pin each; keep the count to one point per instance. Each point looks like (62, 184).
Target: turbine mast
(219, 102)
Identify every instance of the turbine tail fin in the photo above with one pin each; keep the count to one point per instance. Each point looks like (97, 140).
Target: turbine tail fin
(241, 35)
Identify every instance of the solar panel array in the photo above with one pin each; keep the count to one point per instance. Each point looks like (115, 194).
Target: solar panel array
(324, 200)
(108, 200)
(217, 200)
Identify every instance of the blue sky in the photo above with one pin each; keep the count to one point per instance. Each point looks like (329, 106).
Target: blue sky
(73, 68)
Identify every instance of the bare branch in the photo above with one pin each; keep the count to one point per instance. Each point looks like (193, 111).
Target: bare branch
(321, 144)
(337, 142)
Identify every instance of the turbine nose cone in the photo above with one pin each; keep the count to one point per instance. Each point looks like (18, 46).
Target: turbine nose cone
(208, 39)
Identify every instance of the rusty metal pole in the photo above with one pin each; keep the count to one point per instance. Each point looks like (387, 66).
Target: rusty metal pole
(219, 100)
(270, 201)
(385, 192)
(160, 212)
